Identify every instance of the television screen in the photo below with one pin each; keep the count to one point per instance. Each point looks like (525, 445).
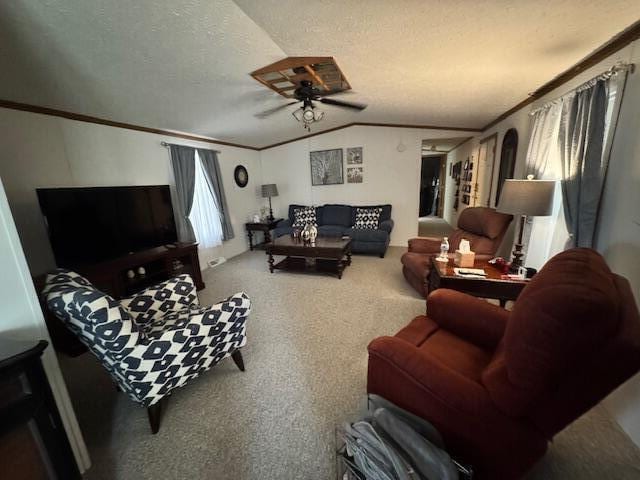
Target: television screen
(89, 225)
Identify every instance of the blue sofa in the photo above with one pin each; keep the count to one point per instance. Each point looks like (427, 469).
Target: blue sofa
(338, 220)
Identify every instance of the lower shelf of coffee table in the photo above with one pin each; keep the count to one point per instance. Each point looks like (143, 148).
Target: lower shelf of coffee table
(318, 265)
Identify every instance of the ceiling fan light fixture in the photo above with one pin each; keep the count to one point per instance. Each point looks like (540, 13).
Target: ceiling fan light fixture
(308, 115)
(297, 114)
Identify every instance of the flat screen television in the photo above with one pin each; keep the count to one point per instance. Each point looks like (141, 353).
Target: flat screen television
(89, 225)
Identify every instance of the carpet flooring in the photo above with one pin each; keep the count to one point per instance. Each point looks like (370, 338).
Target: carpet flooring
(306, 362)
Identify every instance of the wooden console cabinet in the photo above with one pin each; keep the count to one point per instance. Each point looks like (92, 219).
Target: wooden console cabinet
(159, 264)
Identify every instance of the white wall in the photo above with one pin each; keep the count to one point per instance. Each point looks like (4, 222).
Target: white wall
(45, 151)
(21, 319)
(619, 233)
(390, 176)
(469, 150)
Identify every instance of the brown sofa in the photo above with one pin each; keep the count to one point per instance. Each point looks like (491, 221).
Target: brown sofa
(499, 385)
(482, 226)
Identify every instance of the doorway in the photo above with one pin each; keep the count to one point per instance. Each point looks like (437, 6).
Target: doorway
(432, 185)
(433, 181)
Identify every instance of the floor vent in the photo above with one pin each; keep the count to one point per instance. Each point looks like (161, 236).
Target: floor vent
(216, 262)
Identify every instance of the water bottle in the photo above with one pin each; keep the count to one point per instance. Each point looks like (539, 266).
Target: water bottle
(444, 248)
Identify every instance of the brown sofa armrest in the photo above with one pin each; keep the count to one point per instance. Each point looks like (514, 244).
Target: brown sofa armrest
(425, 245)
(404, 358)
(468, 317)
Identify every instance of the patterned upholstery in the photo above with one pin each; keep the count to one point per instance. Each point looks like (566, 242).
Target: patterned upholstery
(304, 216)
(154, 341)
(367, 218)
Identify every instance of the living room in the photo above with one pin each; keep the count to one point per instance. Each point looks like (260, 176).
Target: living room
(103, 95)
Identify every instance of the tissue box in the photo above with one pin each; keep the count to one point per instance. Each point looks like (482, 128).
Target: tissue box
(464, 259)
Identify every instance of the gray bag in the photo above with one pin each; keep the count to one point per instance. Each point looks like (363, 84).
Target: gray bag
(429, 460)
(393, 444)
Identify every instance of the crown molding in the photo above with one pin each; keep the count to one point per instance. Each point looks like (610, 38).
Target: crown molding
(25, 107)
(618, 42)
(370, 124)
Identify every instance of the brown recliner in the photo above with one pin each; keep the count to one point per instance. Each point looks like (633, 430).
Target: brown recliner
(482, 226)
(499, 385)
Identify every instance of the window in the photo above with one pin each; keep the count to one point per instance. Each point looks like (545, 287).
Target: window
(205, 214)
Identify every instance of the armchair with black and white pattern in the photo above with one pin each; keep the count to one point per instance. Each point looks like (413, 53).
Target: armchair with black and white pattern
(154, 341)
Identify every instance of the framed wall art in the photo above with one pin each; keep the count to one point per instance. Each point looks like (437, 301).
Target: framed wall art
(354, 175)
(326, 167)
(354, 156)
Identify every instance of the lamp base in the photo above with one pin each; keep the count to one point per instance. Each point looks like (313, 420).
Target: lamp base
(270, 218)
(516, 261)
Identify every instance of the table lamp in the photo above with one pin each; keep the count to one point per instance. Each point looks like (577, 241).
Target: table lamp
(268, 191)
(527, 198)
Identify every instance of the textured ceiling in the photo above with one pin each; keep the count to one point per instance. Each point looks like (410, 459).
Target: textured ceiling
(183, 65)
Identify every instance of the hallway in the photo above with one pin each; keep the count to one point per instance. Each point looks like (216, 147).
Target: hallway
(433, 227)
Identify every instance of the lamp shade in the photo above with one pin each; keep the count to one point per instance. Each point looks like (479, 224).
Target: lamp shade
(269, 190)
(527, 197)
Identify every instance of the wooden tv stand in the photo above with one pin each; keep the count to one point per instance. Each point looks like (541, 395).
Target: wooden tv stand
(160, 264)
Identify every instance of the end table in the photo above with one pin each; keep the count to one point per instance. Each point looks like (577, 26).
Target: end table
(264, 227)
(493, 285)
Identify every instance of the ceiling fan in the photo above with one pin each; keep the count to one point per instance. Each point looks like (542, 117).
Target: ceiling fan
(308, 113)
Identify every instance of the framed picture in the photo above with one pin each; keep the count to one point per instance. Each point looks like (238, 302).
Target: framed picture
(354, 174)
(354, 156)
(326, 167)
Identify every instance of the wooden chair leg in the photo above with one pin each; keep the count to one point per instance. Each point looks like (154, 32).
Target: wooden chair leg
(237, 358)
(155, 412)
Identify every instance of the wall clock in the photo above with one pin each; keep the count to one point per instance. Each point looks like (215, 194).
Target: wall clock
(241, 176)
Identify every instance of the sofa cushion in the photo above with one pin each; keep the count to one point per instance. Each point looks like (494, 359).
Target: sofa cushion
(385, 214)
(484, 221)
(280, 231)
(337, 215)
(292, 208)
(303, 216)
(332, 230)
(368, 235)
(367, 218)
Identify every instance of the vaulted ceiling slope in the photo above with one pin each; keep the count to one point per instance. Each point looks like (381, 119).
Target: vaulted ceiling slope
(184, 64)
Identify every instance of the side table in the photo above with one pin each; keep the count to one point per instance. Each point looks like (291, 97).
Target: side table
(264, 227)
(33, 441)
(493, 285)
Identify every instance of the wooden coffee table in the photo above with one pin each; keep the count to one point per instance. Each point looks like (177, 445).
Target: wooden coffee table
(327, 254)
(442, 275)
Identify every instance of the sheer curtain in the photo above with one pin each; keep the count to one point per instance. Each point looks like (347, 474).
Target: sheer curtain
(570, 142)
(205, 213)
(547, 235)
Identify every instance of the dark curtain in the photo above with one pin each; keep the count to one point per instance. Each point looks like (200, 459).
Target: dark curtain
(212, 172)
(582, 130)
(183, 162)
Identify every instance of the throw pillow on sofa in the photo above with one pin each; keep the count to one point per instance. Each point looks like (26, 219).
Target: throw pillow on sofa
(304, 216)
(367, 218)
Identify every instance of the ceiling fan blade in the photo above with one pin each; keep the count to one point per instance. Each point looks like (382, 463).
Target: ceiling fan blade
(271, 111)
(340, 103)
(330, 93)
